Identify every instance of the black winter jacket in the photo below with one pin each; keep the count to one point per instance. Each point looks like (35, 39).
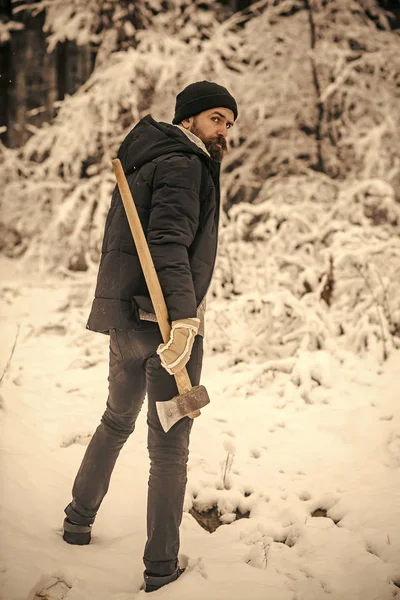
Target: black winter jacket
(175, 186)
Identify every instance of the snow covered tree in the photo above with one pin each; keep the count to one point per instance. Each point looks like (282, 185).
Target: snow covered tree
(310, 186)
(62, 193)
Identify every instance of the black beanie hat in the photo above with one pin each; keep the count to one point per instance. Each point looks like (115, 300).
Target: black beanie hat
(200, 96)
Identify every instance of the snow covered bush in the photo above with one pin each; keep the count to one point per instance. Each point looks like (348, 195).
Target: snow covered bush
(279, 259)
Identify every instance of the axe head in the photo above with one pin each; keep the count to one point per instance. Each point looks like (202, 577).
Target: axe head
(171, 411)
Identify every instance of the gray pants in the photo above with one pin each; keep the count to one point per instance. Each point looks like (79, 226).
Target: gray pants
(135, 369)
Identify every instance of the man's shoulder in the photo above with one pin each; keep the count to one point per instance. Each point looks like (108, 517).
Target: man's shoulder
(179, 159)
(178, 168)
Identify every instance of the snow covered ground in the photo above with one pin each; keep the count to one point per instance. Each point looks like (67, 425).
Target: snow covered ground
(259, 447)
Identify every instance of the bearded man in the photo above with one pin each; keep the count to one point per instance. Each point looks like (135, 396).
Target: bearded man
(173, 173)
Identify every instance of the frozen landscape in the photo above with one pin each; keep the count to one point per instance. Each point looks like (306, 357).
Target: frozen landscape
(317, 473)
(297, 457)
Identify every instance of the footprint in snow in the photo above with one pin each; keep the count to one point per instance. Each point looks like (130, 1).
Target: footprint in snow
(82, 439)
(393, 445)
(230, 433)
(53, 588)
(255, 453)
(304, 496)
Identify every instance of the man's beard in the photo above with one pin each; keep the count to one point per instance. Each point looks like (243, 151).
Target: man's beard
(216, 151)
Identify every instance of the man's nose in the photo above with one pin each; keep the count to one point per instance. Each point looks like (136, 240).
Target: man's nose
(222, 130)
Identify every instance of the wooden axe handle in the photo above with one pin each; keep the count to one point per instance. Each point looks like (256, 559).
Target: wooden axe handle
(182, 378)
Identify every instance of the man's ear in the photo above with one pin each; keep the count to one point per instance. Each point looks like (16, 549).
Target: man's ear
(187, 123)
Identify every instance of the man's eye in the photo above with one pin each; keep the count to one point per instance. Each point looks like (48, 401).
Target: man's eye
(215, 119)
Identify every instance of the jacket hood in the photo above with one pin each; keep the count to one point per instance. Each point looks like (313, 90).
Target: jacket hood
(150, 139)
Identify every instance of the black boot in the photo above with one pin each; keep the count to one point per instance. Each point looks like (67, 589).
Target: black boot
(155, 582)
(77, 529)
(80, 535)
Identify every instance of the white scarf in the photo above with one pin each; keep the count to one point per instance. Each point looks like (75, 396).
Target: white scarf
(193, 138)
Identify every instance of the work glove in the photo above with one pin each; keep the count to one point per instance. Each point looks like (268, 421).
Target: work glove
(175, 353)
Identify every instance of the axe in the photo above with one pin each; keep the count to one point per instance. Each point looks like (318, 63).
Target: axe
(190, 399)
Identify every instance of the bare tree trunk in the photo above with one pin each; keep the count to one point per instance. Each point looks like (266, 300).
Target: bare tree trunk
(36, 79)
(74, 65)
(33, 88)
(236, 5)
(394, 7)
(5, 67)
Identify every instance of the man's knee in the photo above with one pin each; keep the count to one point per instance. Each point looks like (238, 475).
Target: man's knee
(169, 452)
(122, 425)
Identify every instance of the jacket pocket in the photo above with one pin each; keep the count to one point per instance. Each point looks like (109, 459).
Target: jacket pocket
(141, 324)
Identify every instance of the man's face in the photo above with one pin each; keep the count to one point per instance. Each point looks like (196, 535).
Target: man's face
(212, 127)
